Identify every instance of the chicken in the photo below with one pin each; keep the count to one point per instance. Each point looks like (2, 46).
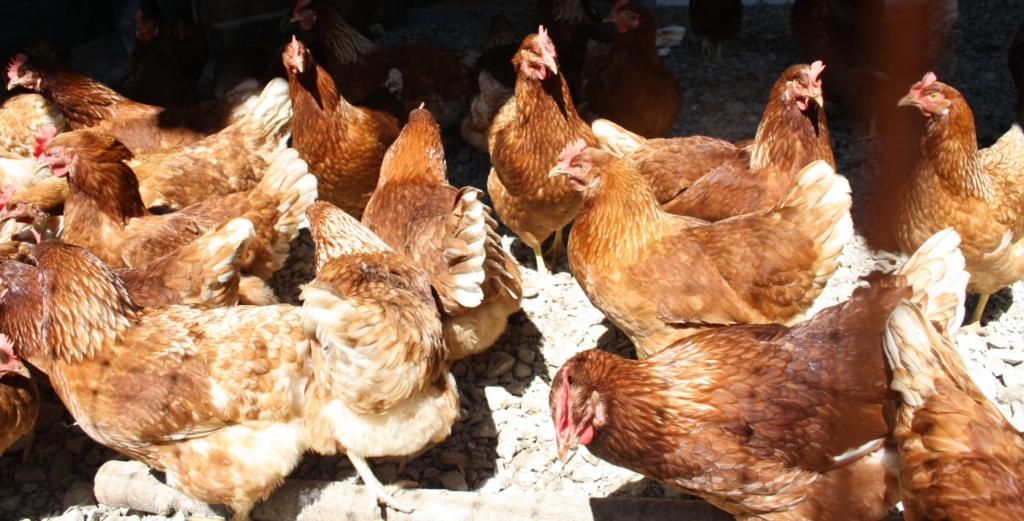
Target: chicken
(495, 81)
(711, 179)
(978, 193)
(19, 398)
(524, 142)
(1016, 61)
(435, 75)
(715, 20)
(194, 393)
(343, 144)
(448, 232)
(960, 458)
(380, 385)
(153, 77)
(570, 28)
(87, 103)
(764, 421)
(661, 277)
(202, 273)
(22, 118)
(631, 86)
(105, 214)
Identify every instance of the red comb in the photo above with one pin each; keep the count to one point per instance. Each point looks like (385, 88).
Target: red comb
(815, 75)
(12, 69)
(570, 151)
(928, 79)
(43, 138)
(545, 42)
(299, 5)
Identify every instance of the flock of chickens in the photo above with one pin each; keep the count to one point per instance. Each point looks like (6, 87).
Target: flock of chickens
(139, 238)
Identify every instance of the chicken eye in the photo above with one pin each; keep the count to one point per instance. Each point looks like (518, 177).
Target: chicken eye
(934, 95)
(53, 153)
(579, 166)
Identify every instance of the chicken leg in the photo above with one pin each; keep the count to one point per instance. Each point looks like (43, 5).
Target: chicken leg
(975, 321)
(381, 496)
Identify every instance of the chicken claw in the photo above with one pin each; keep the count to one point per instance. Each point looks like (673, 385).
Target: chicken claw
(381, 496)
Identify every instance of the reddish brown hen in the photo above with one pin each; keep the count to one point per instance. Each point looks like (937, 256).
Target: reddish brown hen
(380, 385)
(416, 73)
(105, 213)
(524, 142)
(342, 143)
(764, 421)
(979, 193)
(630, 85)
(86, 103)
(449, 232)
(19, 398)
(661, 277)
(711, 179)
(153, 77)
(959, 457)
(195, 393)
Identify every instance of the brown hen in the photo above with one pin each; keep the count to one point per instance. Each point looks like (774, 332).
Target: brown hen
(524, 142)
(979, 193)
(86, 103)
(959, 457)
(342, 143)
(194, 393)
(712, 179)
(630, 85)
(661, 277)
(19, 398)
(380, 385)
(449, 232)
(763, 421)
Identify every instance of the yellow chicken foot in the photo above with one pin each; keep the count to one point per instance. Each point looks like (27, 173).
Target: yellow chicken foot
(241, 512)
(557, 248)
(542, 270)
(975, 322)
(381, 496)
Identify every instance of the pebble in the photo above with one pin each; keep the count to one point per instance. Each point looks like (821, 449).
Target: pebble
(500, 364)
(454, 481)
(526, 355)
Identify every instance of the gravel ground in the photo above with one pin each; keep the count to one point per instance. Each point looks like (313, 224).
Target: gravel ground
(504, 440)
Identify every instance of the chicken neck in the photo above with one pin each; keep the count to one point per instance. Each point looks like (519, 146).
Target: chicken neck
(949, 150)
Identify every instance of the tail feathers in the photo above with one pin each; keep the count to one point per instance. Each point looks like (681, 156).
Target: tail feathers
(936, 274)
(466, 255)
(218, 252)
(289, 184)
(669, 37)
(919, 355)
(254, 291)
(336, 233)
(826, 198)
(243, 97)
(499, 265)
(615, 139)
(269, 118)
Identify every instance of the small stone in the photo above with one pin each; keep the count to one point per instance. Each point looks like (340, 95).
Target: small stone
(76, 445)
(29, 488)
(526, 478)
(61, 465)
(10, 504)
(499, 364)
(454, 458)
(521, 370)
(970, 343)
(526, 355)
(459, 369)
(528, 432)
(530, 292)
(507, 447)
(479, 369)
(998, 341)
(995, 366)
(485, 430)
(516, 388)
(71, 515)
(454, 481)
(1012, 377)
(499, 398)
(431, 473)
(986, 382)
(79, 495)
(29, 476)
(562, 275)
(534, 403)
(1007, 355)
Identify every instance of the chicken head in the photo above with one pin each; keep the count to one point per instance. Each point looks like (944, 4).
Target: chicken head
(303, 14)
(9, 363)
(624, 16)
(807, 87)
(295, 56)
(927, 95)
(572, 163)
(537, 56)
(574, 411)
(20, 75)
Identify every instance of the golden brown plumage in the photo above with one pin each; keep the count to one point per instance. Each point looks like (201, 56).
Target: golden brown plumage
(192, 392)
(524, 141)
(342, 143)
(19, 398)
(630, 85)
(380, 385)
(105, 213)
(87, 103)
(711, 179)
(762, 420)
(959, 457)
(661, 277)
(979, 193)
(449, 233)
